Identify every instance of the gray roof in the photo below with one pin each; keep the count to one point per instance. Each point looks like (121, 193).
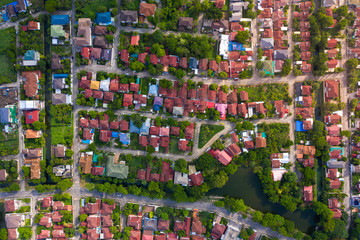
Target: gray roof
(128, 16)
(335, 164)
(178, 110)
(4, 115)
(106, 54)
(100, 41)
(58, 98)
(236, 17)
(58, 83)
(281, 54)
(267, 43)
(181, 178)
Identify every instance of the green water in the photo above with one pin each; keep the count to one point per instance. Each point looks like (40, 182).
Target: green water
(245, 184)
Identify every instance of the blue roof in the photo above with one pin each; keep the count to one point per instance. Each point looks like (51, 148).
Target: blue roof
(156, 107)
(153, 90)
(103, 18)
(300, 126)
(4, 115)
(192, 62)
(235, 46)
(60, 75)
(114, 134)
(59, 19)
(124, 138)
(145, 127)
(133, 128)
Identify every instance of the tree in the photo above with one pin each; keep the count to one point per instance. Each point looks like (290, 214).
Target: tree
(109, 38)
(242, 36)
(180, 74)
(259, 65)
(14, 187)
(257, 216)
(286, 69)
(309, 176)
(114, 11)
(154, 187)
(158, 50)
(69, 153)
(352, 63)
(345, 133)
(50, 6)
(3, 234)
(64, 184)
(82, 217)
(136, 66)
(213, 13)
(223, 75)
(26, 171)
(181, 165)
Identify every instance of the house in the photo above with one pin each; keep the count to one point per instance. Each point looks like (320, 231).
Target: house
(128, 17)
(30, 134)
(32, 25)
(218, 230)
(329, 3)
(185, 23)
(181, 178)
(106, 54)
(100, 41)
(220, 26)
(332, 119)
(103, 18)
(3, 175)
(219, 3)
(14, 220)
(331, 89)
(59, 151)
(85, 162)
(333, 203)
(203, 64)
(61, 98)
(260, 142)
(84, 32)
(60, 19)
(147, 9)
(31, 58)
(267, 43)
(134, 221)
(308, 193)
(135, 40)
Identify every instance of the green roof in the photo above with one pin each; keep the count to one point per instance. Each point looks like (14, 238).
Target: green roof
(116, 170)
(57, 31)
(30, 55)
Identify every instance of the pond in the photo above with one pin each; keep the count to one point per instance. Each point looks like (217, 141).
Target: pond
(245, 184)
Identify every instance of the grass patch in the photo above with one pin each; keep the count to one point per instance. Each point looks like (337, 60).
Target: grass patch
(58, 134)
(173, 146)
(268, 92)
(4, 2)
(7, 54)
(207, 131)
(144, 86)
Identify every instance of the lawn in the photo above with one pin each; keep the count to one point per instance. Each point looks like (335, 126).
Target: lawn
(58, 134)
(268, 92)
(4, 2)
(144, 86)
(207, 131)
(7, 55)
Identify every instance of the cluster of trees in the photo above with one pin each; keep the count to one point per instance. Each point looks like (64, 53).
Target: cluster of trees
(182, 45)
(351, 65)
(30, 39)
(11, 169)
(89, 8)
(171, 11)
(61, 113)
